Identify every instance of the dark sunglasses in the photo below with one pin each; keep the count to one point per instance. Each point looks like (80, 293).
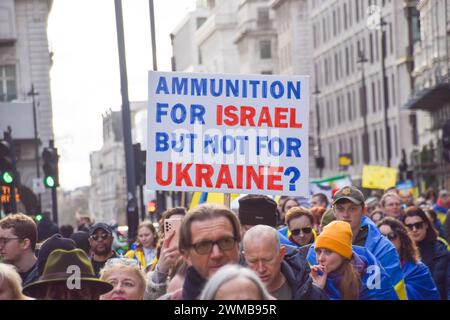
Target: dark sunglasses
(102, 237)
(417, 225)
(205, 247)
(391, 236)
(306, 230)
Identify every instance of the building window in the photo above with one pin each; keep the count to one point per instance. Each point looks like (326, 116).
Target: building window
(345, 16)
(336, 66)
(391, 38)
(357, 10)
(8, 88)
(377, 47)
(314, 36)
(328, 115)
(374, 102)
(330, 156)
(324, 30)
(334, 23)
(347, 62)
(267, 72)
(371, 47)
(338, 101)
(339, 20)
(263, 17)
(415, 24)
(349, 104)
(265, 49)
(395, 140)
(375, 137)
(352, 58)
(380, 105)
(393, 89)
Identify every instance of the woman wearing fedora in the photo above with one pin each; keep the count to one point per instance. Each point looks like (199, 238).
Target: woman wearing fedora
(68, 275)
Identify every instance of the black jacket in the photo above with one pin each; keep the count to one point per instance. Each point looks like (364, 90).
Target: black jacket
(436, 256)
(296, 270)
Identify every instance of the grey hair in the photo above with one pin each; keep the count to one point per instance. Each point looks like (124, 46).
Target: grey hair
(254, 234)
(228, 273)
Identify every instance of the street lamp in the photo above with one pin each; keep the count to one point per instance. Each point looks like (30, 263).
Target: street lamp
(32, 94)
(363, 104)
(385, 91)
(319, 159)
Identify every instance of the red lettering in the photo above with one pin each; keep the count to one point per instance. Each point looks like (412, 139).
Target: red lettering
(247, 115)
(265, 117)
(202, 175)
(292, 119)
(219, 115)
(183, 174)
(239, 176)
(280, 115)
(231, 112)
(159, 174)
(256, 177)
(224, 176)
(273, 178)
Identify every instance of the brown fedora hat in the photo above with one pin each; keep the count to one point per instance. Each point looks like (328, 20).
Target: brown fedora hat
(58, 269)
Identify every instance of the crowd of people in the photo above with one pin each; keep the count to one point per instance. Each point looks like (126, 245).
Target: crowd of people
(389, 246)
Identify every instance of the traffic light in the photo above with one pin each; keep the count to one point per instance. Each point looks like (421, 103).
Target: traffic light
(38, 217)
(140, 158)
(50, 167)
(6, 163)
(151, 207)
(320, 162)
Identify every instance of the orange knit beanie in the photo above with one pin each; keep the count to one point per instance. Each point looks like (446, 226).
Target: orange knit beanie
(337, 237)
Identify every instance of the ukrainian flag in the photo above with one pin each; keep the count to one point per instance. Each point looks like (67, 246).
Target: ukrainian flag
(209, 197)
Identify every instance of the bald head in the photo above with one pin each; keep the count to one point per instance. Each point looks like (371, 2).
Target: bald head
(264, 255)
(264, 235)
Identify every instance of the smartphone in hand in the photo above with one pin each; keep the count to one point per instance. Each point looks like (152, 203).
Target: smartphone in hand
(172, 225)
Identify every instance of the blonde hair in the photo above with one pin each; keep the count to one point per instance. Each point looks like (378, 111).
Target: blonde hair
(142, 283)
(10, 277)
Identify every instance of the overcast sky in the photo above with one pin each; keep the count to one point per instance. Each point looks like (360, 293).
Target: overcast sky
(85, 78)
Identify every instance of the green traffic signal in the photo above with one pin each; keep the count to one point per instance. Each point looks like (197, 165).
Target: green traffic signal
(38, 217)
(7, 177)
(49, 182)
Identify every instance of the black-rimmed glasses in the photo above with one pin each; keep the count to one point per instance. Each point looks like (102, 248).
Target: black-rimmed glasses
(306, 230)
(205, 247)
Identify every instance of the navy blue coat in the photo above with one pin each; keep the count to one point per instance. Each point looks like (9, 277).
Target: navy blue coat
(436, 256)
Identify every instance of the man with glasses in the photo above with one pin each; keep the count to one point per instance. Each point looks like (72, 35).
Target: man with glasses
(286, 277)
(18, 235)
(209, 239)
(101, 239)
(348, 205)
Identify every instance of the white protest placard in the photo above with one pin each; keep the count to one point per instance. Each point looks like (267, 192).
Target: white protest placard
(228, 133)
